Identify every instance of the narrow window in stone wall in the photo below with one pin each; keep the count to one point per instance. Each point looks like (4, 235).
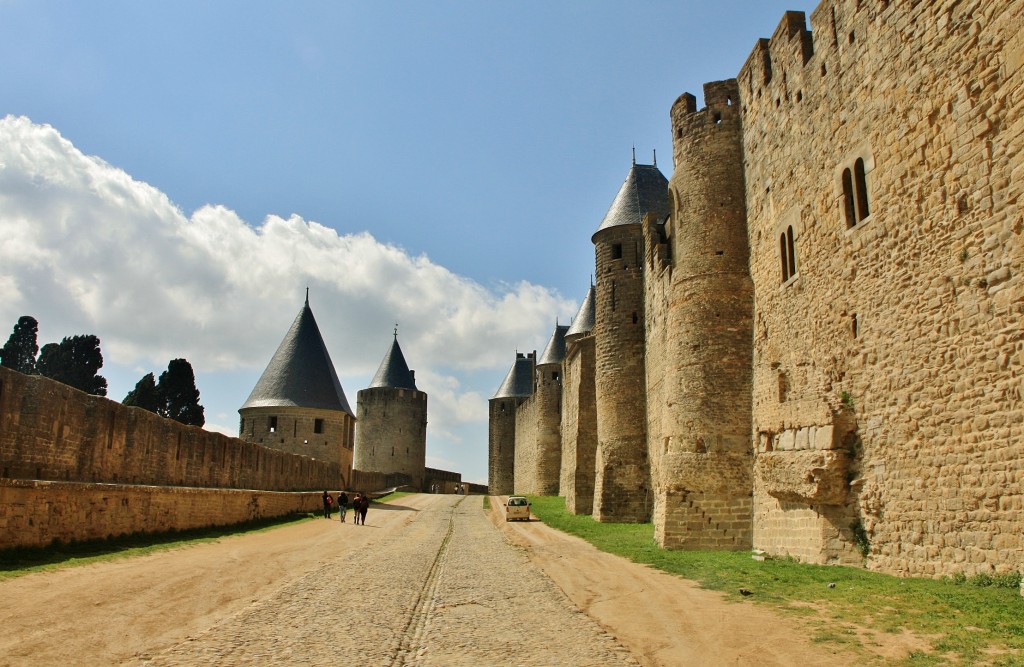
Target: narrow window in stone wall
(792, 251)
(273, 425)
(616, 251)
(848, 206)
(787, 254)
(782, 256)
(861, 188)
(318, 426)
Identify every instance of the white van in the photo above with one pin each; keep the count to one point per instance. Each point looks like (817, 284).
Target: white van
(517, 508)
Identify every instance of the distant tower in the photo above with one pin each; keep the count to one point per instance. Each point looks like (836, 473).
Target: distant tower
(579, 412)
(516, 388)
(622, 482)
(298, 405)
(538, 458)
(392, 432)
(703, 484)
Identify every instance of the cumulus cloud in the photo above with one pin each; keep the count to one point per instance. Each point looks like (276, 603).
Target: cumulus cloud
(88, 249)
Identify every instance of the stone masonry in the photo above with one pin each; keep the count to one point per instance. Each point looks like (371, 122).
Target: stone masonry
(818, 351)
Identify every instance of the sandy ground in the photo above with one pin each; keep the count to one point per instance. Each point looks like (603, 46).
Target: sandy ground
(135, 610)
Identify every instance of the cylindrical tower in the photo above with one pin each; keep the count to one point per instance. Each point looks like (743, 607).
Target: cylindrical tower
(622, 482)
(549, 413)
(704, 478)
(501, 424)
(391, 436)
(579, 412)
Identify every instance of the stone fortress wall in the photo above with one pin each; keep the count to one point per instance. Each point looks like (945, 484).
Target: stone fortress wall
(109, 463)
(888, 365)
(833, 353)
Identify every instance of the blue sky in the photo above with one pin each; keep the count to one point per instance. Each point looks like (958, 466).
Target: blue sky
(173, 176)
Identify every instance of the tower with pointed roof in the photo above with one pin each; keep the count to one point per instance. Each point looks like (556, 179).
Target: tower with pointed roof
(579, 412)
(298, 404)
(392, 432)
(501, 433)
(622, 471)
(538, 451)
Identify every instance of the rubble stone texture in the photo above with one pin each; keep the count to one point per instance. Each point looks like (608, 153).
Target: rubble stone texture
(830, 348)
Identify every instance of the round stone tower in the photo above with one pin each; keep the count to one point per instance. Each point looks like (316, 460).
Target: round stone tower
(501, 424)
(703, 477)
(392, 433)
(622, 480)
(548, 395)
(579, 415)
(298, 405)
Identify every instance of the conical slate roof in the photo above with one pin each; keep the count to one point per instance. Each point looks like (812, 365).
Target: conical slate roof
(300, 374)
(554, 353)
(393, 371)
(644, 191)
(519, 381)
(584, 321)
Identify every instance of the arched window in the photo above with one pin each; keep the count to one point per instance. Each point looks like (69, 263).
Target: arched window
(855, 194)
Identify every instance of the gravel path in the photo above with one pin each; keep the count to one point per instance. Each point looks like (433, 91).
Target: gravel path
(443, 588)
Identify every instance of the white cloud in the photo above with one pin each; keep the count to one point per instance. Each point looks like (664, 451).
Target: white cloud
(87, 249)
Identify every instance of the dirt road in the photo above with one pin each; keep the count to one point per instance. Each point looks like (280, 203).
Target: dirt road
(428, 581)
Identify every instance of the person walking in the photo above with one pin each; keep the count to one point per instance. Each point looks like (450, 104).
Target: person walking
(357, 502)
(327, 504)
(363, 506)
(342, 505)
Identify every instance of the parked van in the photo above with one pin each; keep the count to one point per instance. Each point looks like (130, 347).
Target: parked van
(517, 508)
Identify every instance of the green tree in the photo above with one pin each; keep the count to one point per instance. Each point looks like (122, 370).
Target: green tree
(75, 362)
(19, 352)
(178, 396)
(145, 394)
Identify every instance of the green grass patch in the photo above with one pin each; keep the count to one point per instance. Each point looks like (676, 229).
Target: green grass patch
(967, 620)
(395, 495)
(25, 560)
(487, 503)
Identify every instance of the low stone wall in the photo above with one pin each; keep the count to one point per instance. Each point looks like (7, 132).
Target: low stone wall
(50, 431)
(368, 481)
(35, 513)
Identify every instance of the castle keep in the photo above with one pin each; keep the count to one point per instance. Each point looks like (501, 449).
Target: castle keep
(808, 340)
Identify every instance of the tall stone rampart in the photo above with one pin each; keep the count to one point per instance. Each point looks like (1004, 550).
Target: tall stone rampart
(50, 431)
(527, 451)
(883, 178)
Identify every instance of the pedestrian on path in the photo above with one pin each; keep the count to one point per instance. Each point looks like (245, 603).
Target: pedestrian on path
(342, 505)
(363, 506)
(327, 504)
(357, 502)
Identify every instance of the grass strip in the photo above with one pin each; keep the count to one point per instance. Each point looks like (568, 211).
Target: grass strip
(25, 560)
(965, 621)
